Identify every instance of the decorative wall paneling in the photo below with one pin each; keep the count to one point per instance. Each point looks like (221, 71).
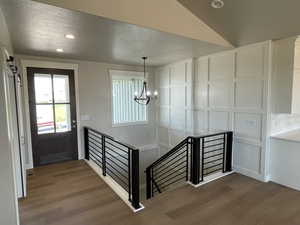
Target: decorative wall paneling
(227, 91)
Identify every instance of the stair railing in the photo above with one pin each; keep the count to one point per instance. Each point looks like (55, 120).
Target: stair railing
(117, 160)
(195, 158)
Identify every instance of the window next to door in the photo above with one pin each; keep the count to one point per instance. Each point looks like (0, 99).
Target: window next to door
(125, 111)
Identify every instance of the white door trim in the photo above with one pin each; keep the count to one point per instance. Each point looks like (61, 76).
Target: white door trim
(48, 64)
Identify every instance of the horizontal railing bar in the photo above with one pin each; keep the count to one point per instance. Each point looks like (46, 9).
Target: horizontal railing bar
(169, 160)
(205, 174)
(95, 147)
(214, 150)
(112, 138)
(173, 165)
(210, 146)
(171, 152)
(213, 155)
(114, 157)
(205, 163)
(117, 180)
(218, 139)
(96, 154)
(125, 170)
(91, 142)
(95, 136)
(119, 172)
(168, 163)
(166, 172)
(213, 166)
(175, 171)
(172, 182)
(124, 157)
(170, 178)
(96, 161)
(109, 170)
(123, 150)
(97, 141)
(211, 135)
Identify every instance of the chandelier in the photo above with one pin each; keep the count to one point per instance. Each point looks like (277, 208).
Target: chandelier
(145, 96)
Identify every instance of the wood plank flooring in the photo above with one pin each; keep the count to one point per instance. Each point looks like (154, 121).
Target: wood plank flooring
(72, 194)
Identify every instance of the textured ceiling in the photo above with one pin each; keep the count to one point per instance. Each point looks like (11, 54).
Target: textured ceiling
(248, 21)
(38, 29)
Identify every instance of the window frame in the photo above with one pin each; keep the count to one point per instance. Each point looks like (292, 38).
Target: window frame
(124, 74)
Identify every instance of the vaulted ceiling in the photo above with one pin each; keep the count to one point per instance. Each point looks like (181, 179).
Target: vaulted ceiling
(249, 21)
(39, 29)
(121, 31)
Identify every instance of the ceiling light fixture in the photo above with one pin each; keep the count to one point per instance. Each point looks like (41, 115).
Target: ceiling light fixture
(70, 36)
(217, 4)
(59, 50)
(145, 95)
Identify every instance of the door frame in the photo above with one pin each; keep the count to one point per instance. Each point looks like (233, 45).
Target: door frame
(53, 65)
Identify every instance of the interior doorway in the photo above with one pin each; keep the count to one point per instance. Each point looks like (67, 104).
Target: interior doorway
(52, 106)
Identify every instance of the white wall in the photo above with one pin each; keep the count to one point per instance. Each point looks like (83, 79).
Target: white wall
(95, 102)
(174, 108)
(230, 92)
(8, 199)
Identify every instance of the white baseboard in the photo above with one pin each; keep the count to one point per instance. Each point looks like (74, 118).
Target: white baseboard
(211, 178)
(116, 187)
(250, 173)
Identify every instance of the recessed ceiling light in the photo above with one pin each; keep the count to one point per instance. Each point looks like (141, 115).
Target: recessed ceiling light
(70, 36)
(59, 50)
(217, 4)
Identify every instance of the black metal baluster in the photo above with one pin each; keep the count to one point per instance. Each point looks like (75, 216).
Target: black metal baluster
(86, 143)
(195, 176)
(135, 179)
(129, 173)
(202, 159)
(103, 139)
(229, 140)
(148, 183)
(224, 147)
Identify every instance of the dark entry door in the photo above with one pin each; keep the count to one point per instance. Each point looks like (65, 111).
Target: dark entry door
(53, 115)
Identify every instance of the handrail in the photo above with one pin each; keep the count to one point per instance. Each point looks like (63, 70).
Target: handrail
(113, 139)
(200, 156)
(169, 153)
(113, 157)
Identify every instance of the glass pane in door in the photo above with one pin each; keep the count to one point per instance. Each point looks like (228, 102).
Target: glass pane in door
(43, 88)
(62, 118)
(61, 89)
(45, 121)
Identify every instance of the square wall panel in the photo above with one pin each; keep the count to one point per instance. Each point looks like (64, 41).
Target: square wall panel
(162, 77)
(249, 93)
(164, 96)
(177, 119)
(178, 95)
(219, 120)
(250, 61)
(246, 156)
(221, 66)
(189, 71)
(189, 120)
(164, 117)
(201, 75)
(178, 73)
(200, 120)
(200, 95)
(220, 94)
(163, 135)
(248, 125)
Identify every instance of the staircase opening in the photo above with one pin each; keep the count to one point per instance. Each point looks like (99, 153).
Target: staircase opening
(195, 160)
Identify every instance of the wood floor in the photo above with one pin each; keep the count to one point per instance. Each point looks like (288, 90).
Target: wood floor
(72, 194)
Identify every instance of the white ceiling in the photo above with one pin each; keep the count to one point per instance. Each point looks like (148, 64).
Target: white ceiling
(249, 21)
(38, 29)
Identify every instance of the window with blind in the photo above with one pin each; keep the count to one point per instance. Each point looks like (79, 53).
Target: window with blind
(125, 110)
